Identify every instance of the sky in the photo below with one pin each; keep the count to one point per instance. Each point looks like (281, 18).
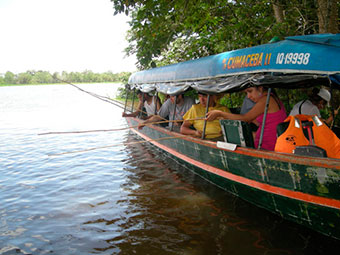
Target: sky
(62, 35)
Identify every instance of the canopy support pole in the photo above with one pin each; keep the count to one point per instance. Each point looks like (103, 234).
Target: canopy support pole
(133, 98)
(331, 102)
(173, 116)
(264, 118)
(155, 102)
(140, 114)
(205, 120)
(126, 98)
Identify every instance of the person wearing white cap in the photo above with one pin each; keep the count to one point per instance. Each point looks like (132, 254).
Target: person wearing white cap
(317, 100)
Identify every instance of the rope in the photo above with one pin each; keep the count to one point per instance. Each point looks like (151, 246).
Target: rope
(110, 130)
(103, 98)
(109, 146)
(100, 97)
(113, 145)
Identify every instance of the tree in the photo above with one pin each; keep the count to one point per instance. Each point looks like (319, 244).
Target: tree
(163, 31)
(41, 77)
(328, 16)
(38, 77)
(9, 78)
(24, 78)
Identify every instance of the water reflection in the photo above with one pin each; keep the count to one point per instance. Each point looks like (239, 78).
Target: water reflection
(172, 211)
(127, 199)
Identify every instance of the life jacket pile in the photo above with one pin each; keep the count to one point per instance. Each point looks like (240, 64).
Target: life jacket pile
(294, 136)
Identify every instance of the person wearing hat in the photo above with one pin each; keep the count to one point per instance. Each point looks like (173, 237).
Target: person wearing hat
(317, 100)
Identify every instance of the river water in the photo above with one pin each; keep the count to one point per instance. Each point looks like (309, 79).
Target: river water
(127, 198)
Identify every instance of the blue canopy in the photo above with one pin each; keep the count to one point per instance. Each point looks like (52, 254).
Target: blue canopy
(295, 61)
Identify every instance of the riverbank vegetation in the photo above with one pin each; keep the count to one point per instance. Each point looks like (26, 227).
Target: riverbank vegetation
(163, 32)
(44, 77)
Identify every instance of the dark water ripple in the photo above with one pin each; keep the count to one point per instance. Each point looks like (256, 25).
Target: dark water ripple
(126, 199)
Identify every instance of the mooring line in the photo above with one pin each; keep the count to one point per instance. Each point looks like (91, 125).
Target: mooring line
(109, 146)
(116, 129)
(103, 98)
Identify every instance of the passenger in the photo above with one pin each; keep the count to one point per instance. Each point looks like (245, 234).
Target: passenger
(145, 105)
(167, 110)
(317, 100)
(276, 114)
(196, 115)
(247, 105)
(152, 104)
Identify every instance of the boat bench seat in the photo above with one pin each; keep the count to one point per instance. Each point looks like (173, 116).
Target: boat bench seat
(237, 132)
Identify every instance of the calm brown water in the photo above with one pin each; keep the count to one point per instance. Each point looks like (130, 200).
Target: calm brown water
(125, 199)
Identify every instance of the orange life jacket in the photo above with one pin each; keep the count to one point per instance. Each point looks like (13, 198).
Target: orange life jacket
(292, 137)
(323, 136)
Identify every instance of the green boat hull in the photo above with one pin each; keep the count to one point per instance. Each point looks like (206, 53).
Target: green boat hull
(301, 189)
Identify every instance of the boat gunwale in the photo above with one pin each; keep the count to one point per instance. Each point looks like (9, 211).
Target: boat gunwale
(272, 155)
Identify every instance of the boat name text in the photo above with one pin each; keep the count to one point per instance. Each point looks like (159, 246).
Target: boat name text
(250, 60)
(259, 59)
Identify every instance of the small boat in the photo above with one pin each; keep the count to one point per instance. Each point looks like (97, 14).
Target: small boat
(301, 188)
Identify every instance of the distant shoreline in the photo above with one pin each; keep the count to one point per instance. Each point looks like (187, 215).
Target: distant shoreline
(64, 83)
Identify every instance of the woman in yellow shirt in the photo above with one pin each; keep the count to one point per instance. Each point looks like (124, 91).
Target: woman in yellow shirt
(195, 117)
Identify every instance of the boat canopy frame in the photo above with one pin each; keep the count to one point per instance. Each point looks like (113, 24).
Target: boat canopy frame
(237, 83)
(296, 62)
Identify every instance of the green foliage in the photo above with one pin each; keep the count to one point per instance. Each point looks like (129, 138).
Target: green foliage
(232, 100)
(123, 77)
(44, 77)
(122, 93)
(164, 32)
(9, 78)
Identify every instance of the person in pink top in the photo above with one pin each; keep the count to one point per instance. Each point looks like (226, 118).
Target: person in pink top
(276, 114)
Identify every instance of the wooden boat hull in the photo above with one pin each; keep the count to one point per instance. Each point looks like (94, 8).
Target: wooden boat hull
(301, 189)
